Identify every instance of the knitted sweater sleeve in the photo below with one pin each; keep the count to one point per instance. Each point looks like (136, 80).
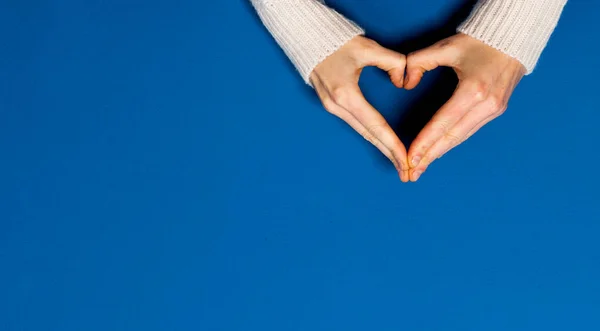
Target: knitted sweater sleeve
(519, 28)
(308, 31)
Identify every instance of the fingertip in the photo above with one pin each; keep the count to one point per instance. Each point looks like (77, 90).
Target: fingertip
(410, 81)
(397, 77)
(416, 175)
(398, 82)
(413, 78)
(401, 158)
(402, 169)
(406, 174)
(402, 175)
(396, 164)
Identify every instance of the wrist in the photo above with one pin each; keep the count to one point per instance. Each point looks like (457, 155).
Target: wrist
(307, 30)
(520, 29)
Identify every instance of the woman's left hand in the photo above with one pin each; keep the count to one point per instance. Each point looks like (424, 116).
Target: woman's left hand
(336, 82)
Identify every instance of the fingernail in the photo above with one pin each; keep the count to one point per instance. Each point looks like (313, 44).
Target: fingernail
(416, 160)
(416, 175)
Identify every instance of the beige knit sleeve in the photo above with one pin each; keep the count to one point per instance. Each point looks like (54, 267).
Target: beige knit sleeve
(307, 30)
(519, 28)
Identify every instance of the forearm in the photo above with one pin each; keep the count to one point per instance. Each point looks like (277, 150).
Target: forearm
(307, 30)
(518, 28)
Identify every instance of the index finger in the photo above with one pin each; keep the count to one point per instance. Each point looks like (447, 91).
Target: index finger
(461, 102)
(377, 126)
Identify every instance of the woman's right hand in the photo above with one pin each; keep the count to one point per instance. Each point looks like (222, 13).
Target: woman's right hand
(336, 82)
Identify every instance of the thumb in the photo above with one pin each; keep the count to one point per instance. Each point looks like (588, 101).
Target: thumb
(387, 60)
(427, 59)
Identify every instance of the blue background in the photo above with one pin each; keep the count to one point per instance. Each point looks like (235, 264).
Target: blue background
(164, 168)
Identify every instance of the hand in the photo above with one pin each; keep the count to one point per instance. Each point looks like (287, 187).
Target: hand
(487, 78)
(336, 83)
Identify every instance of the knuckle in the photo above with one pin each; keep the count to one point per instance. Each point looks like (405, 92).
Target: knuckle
(402, 57)
(494, 104)
(375, 128)
(369, 44)
(366, 47)
(478, 90)
(402, 61)
(330, 107)
(502, 110)
(452, 139)
(341, 95)
(449, 46)
(444, 43)
(412, 58)
(441, 125)
(367, 136)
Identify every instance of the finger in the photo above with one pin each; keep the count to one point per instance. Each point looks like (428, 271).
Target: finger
(344, 115)
(372, 120)
(427, 59)
(385, 59)
(467, 126)
(477, 127)
(461, 102)
(351, 120)
(484, 113)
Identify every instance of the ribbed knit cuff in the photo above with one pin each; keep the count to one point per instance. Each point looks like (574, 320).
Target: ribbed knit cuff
(307, 30)
(519, 28)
